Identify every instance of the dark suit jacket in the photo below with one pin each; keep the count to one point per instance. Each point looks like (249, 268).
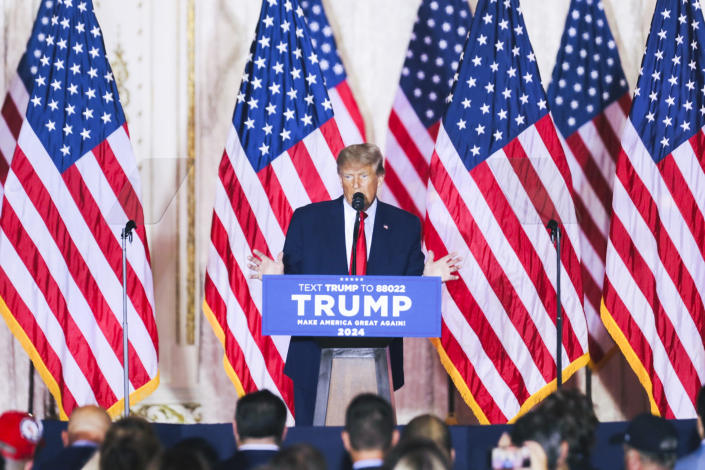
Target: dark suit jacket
(315, 244)
(247, 459)
(69, 458)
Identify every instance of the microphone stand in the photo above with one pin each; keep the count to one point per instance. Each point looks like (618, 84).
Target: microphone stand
(353, 264)
(555, 230)
(125, 236)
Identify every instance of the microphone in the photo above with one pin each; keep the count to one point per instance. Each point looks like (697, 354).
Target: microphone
(358, 201)
(554, 229)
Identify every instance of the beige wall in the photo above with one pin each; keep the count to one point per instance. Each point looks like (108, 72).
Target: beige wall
(178, 63)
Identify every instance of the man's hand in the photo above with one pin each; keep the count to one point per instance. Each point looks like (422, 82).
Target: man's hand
(443, 267)
(262, 264)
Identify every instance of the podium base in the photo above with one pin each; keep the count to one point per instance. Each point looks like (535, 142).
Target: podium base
(345, 373)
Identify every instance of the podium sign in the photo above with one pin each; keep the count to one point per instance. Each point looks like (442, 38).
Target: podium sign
(351, 306)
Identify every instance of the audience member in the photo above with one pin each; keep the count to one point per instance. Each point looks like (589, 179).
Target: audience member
(85, 432)
(201, 446)
(129, 444)
(540, 434)
(417, 453)
(369, 430)
(259, 428)
(180, 458)
(575, 417)
(433, 428)
(297, 457)
(696, 459)
(19, 435)
(650, 443)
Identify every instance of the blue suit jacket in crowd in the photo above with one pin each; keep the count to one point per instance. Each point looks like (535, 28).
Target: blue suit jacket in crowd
(315, 244)
(694, 460)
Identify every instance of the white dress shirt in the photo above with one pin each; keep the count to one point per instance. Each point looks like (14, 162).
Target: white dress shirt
(350, 215)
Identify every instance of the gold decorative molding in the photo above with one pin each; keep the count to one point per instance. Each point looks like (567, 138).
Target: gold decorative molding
(181, 413)
(191, 196)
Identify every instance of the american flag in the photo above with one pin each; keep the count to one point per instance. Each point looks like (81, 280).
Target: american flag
(280, 155)
(655, 268)
(68, 194)
(14, 106)
(347, 113)
(432, 59)
(498, 174)
(589, 101)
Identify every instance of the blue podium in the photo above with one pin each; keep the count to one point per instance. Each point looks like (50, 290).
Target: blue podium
(353, 318)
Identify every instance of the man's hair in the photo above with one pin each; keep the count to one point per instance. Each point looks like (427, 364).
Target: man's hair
(129, 444)
(369, 421)
(260, 414)
(430, 427)
(364, 154)
(297, 457)
(88, 422)
(663, 460)
(701, 404)
(544, 429)
(576, 420)
(417, 453)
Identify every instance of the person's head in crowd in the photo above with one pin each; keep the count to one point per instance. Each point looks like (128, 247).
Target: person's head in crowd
(260, 417)
(430, 427)
(20, 433)
(576, 419)
(297, 457)
(199, 446)
(650, 443)
(129, 444)
(87, 423)
(369, 428)
(417, 453)
(540, 433)
(180, 458)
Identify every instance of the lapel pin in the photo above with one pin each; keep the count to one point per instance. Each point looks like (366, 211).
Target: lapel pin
(386, 227)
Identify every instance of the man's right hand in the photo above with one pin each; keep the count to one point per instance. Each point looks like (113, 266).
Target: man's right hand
(262, 264)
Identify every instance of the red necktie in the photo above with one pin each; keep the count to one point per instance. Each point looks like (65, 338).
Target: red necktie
(360, 249)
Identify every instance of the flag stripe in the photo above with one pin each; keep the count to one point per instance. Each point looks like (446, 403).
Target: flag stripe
(28, 322)
(485, 257)
(347, 114)
(84, 353)
(415, 157)
(276, 194)
(593, 173)
(48, 216)
(658, 290)
(399, 192)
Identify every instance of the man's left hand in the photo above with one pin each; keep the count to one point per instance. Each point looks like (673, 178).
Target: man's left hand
(443, 267)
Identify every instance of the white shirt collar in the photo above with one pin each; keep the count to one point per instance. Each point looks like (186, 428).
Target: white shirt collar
(258, 447)
(350, 214)
(367, 463)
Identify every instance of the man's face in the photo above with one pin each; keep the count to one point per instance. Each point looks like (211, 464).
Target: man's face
(357, 177)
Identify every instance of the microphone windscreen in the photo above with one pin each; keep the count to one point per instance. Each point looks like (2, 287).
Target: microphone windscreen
(358, 201)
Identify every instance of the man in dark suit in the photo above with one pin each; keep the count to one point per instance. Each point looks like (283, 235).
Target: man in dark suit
(84, 433)
(319, 241)
(259, 428)
(369, 431)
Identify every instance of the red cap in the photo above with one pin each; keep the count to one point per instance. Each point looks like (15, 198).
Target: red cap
(19, 434)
